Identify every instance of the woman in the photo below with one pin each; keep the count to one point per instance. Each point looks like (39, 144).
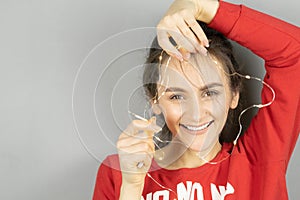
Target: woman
(195, 93)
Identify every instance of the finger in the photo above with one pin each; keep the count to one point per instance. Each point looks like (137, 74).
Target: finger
(184, 53)
(137, 126)
(203, 50)
(181, 40)
(193, 24)
(128, 141)
(166, 45)
(182, 43)
(189, 34)
(141, 125)
(138, 149)
(129, 163)
(199, 46)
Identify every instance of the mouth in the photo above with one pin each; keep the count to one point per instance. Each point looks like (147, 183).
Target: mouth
(197, 130)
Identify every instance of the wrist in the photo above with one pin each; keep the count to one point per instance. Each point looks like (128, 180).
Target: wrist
(206, 10)
(131, 191)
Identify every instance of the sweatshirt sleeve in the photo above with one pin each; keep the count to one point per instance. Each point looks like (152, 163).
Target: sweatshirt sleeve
(273, 132)
(108, 181)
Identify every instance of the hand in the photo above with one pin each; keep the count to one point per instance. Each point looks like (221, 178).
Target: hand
(180, 23)
(136, 150)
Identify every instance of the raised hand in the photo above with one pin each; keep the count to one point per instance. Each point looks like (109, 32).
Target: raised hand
(136, 150)
(180, 23)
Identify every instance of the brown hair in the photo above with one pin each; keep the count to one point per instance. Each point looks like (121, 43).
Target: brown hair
(222, 50)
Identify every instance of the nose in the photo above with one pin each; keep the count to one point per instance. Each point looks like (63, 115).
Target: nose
(195, 109)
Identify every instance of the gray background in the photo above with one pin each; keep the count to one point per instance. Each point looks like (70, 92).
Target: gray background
(42, 46)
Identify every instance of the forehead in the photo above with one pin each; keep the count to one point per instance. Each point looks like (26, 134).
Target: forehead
(198, 71)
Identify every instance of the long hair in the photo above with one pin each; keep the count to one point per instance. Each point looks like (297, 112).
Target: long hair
(219, 47)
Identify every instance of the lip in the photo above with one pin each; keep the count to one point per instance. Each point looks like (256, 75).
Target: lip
(194, 130)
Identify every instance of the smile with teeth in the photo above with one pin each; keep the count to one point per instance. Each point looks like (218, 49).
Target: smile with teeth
(198, 128)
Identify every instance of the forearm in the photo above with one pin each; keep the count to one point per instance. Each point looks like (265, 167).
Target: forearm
(131, 192)
(272, 39)
(278, 43)
(203, 10)
(206, 10)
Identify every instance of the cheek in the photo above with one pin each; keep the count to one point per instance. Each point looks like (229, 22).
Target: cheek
(172, 114)
(219, 108)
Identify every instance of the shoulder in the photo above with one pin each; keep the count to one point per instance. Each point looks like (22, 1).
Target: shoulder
(108, 179)
(111, 161)
(109, 169)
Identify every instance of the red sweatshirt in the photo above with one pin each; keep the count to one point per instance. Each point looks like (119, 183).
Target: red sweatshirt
(257, 167)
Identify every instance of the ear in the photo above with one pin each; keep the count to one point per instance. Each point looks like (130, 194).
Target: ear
(156, 109)
(235, 100)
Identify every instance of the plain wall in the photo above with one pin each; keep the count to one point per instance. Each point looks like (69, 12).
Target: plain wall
(55, 62)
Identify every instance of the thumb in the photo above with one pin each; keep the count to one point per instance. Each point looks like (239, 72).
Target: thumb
(153, 124)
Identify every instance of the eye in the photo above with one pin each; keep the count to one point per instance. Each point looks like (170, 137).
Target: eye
(176, 97)
(210, 93)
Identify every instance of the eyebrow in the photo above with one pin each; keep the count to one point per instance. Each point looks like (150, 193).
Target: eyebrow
(208, 86)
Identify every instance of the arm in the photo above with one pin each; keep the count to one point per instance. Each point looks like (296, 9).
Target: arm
(136, 145)
(109, 184)
(119, 176)
(274, 131)
(108, 178)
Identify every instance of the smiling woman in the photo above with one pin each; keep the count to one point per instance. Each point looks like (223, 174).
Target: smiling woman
(195, 97)
(202, 76)
(193, 82)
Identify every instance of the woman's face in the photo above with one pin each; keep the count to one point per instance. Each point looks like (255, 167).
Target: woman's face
(194, 98)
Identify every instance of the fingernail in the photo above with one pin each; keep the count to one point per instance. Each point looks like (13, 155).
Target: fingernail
(153, 125)
(179, 57)
(206, 43)
(153, 120)
(204, 51)
(155, 128)
(187, 56)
